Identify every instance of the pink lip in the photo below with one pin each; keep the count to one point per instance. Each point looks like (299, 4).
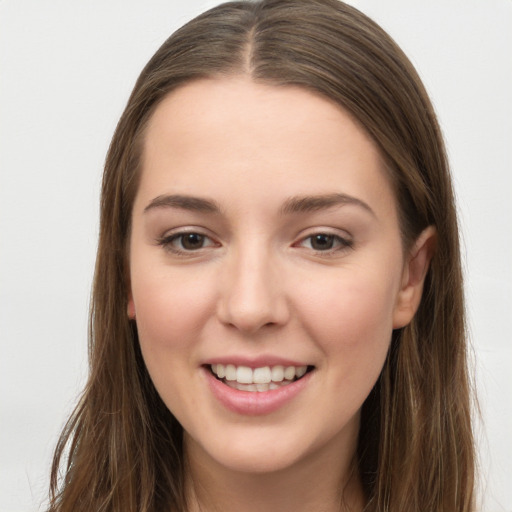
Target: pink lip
(254, 403)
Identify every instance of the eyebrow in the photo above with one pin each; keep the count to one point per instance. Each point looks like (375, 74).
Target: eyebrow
(296, 204)
(304, 204)
(183, 202)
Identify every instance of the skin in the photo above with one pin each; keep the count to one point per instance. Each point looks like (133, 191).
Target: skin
(258, 284)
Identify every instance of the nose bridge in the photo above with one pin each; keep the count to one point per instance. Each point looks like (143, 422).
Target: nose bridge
(252, 294)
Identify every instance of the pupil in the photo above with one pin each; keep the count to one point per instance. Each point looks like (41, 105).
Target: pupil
(322, 242)
(192, 241)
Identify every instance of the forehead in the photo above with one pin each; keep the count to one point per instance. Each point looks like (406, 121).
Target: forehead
(232, 135)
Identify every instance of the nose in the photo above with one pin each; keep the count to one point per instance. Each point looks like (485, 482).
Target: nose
(252, 294)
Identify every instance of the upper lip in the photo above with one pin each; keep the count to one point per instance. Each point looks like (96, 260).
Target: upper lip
(255, 362)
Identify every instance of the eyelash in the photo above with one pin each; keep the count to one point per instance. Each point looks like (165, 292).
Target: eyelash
(339, 243)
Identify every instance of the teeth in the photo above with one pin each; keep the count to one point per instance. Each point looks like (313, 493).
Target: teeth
(244, 375)
(277, 373)
(256, 387)
(258, 379)
(289, 372)
(301, 371)
(262, 375)
(229, 371)
(220, 371)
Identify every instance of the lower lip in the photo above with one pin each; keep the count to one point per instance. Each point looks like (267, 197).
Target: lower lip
(253, 403)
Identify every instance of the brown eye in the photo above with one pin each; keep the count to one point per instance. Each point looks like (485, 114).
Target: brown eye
(325, 242)
(192, 241)
(322, 242)
(186, 242)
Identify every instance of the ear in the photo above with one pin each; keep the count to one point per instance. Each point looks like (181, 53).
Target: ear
(130, 309)
(413, 277)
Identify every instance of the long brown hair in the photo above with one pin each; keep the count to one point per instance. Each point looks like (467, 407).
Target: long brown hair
(415, 451)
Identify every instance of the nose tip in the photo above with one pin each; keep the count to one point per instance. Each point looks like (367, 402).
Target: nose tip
(252, 298)
(246, 317)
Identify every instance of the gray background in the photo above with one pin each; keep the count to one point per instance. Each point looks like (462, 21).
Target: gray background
(66, 69)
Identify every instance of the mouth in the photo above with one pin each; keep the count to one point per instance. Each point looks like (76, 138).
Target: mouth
(261, 379)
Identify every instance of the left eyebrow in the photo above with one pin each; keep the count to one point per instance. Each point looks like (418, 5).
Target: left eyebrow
(304, 204)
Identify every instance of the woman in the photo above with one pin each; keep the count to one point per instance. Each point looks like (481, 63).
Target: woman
(277, 318)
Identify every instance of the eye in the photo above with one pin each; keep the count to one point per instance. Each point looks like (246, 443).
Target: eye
(325, 242)
(186, 242)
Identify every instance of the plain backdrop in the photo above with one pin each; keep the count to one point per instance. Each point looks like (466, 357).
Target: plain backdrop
(66, 70)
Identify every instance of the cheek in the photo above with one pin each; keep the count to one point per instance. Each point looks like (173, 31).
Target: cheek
(169, 313)
(351, 318)
(169, 310)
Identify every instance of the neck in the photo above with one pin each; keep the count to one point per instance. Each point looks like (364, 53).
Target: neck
(324, 482)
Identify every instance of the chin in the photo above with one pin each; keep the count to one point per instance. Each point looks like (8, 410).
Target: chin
(262, 455)
(265, 449)
(257, 462)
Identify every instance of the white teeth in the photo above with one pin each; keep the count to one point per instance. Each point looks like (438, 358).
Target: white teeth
(301, 371)
(221, 371)
(289, 372)
(277, 373)
(244, 375)
(256, 387)
(258, 379)
(262, 375)
(230, 371)
(246, 387)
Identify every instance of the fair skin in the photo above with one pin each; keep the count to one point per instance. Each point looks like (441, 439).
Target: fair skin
(264, 235)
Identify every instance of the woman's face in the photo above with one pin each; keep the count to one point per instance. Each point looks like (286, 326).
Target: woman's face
(266, 270)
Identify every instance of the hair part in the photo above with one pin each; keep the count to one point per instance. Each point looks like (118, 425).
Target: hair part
(415, 449)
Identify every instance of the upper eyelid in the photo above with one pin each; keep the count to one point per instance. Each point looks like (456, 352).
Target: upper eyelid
(324, 230)
(183, 230)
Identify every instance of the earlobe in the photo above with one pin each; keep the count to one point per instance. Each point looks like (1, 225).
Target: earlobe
(413, 278)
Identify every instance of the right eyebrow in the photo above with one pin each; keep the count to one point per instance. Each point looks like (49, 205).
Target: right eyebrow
(184, 202)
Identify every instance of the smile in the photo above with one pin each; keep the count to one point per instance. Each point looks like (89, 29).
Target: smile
(265, 378)
(257, 390)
